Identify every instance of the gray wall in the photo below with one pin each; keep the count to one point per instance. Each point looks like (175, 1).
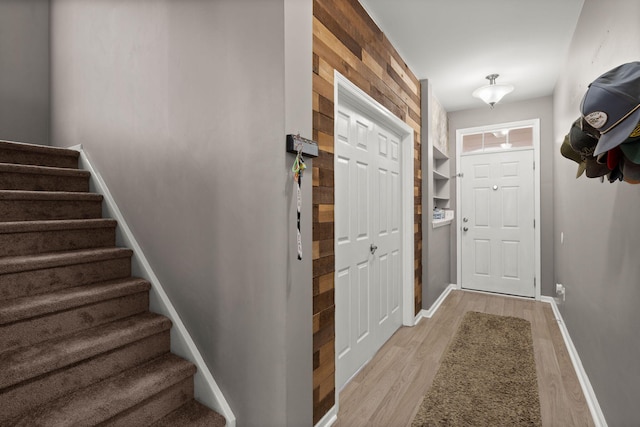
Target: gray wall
(24, 71)
(298, 18)
(183, 107)
(438, 263)
(503, 112)
(436, 253)
(598, 262)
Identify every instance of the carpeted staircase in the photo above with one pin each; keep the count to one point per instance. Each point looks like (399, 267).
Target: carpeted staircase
(78, 345)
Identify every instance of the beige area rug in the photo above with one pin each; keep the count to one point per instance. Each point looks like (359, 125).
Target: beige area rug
(487, 376)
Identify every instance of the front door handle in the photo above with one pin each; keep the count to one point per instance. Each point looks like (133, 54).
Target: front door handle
(373, 249)
(465, 229)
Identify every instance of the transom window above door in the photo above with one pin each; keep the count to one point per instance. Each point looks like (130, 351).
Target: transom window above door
(498, 139)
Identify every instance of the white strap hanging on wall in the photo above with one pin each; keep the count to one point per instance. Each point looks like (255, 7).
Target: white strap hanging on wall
(298, 170)
(299, 146)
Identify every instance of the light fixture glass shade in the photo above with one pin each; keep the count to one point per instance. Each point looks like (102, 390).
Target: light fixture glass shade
(492, 93)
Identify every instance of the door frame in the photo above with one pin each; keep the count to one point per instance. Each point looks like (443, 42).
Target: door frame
(345, 92)
(535, 124)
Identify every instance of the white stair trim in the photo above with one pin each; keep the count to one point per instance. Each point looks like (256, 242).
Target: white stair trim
(205, 387)
(587, 390)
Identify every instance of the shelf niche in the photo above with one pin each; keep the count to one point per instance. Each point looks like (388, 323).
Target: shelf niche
(437, 186)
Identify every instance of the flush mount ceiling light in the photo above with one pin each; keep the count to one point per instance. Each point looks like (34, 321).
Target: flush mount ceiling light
(492, 93)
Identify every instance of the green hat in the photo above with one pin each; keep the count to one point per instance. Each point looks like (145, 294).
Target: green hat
(631, 146)
(582, 142)
(567, 151)
(631, 171)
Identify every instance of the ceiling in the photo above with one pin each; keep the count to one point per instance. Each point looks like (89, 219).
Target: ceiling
(456, 43)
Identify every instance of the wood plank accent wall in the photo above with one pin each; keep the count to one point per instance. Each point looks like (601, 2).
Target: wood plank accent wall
(345, 38)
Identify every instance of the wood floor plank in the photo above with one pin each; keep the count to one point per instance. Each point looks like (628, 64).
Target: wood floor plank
(389, 390)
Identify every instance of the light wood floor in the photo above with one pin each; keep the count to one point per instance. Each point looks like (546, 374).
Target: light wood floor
(388, 391)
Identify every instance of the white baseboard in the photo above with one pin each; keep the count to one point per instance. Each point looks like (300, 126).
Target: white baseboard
(205, 387)
(436, 305)
(329, 418)
(587, 390)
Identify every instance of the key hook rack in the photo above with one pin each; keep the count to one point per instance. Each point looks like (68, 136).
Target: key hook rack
(296, 142)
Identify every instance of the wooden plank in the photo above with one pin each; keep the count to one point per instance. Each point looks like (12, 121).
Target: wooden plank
(325, 70)
(325, 106)
(323, 301)
(325, 35)
(328, 19)
(402, 72)
(326, 213)
(322, 123)
(322, 87)
(324, 161)
(396, 56)
(322, 337)
(326, 282)
(325, 369)
(327, 248)
(322, 196)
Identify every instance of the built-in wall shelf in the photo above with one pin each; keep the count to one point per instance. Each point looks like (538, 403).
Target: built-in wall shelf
(437, 223)
(440, 175)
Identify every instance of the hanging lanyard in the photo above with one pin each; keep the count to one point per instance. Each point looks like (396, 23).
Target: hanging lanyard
(298, 169)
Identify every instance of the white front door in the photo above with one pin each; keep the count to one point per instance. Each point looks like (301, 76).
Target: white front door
(367, 239)
(497, 210)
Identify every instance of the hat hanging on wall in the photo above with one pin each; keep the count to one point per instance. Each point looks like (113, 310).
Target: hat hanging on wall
(612, 105)
(605, 140)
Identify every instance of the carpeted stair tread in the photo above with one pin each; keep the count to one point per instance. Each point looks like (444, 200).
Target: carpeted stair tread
(28, 307)
(18, 152)
(23, 397)
(29, 362)
(24, 205)
(49, 195)
(55, 259)
(192, 414)
(39, 237)
(54, 225)
(43, 178)
(101, 401)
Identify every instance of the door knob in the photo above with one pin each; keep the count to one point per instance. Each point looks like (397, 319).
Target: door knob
(465, 219)
(373, 248)
(465, 229)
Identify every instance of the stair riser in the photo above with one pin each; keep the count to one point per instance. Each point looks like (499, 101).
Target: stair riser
(39, 159)
(39, 182)
(25, 283)
(111, 398)
(38, 242)
(156, 407)
(32, 331)
(30, 394)
(35, 210)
